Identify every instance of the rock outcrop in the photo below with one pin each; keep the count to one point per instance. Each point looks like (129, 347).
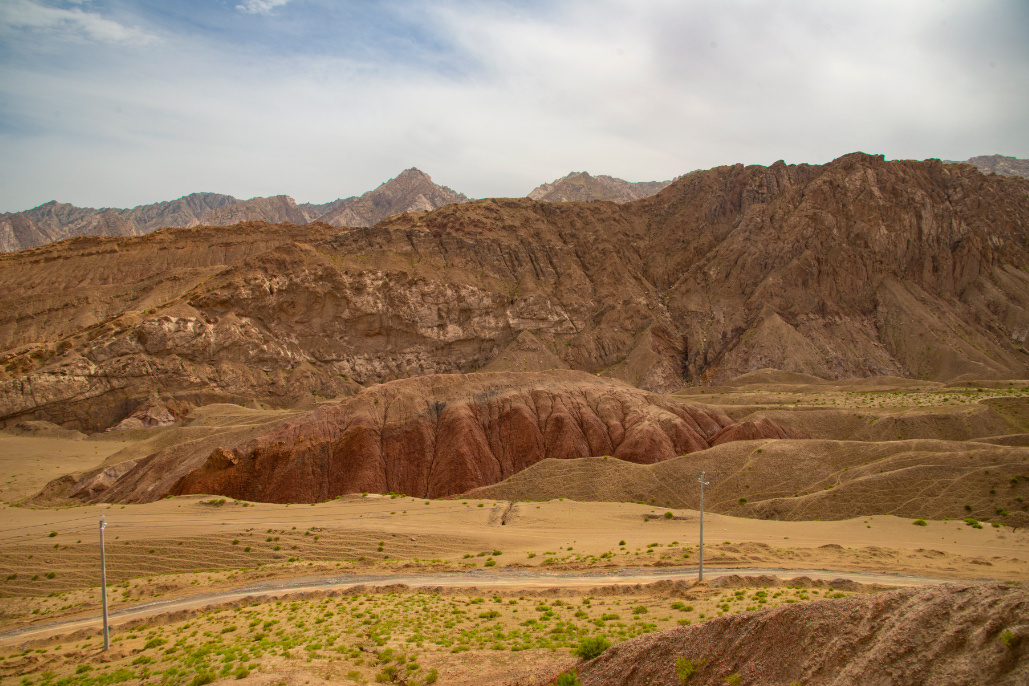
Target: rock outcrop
(433, 437)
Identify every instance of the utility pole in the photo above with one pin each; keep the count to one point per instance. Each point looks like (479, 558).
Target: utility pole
(703, 483)
(103, 584)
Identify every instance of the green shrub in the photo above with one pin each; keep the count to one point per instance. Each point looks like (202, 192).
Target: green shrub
(202, 679)
(569, 678)
(1007, 637)
(591, 647)
(919, 522)
(733, 680)
(668, 515)
(686, 669)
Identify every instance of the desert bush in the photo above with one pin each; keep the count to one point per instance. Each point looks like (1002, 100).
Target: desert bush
(569, 678)
(687, 669)
(919, 522)
(591, 647)
(202, 679)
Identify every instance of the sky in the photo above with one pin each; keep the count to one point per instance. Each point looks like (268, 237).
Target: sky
(117, 103)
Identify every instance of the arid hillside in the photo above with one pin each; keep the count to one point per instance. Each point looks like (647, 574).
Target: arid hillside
(856, 268)
(951, 634)
(430, 436)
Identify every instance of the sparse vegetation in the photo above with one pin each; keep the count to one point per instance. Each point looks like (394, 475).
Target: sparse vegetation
(592, 647)
(687, 669)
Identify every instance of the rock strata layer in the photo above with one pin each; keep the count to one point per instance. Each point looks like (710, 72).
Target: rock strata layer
(433, 437)
(856, 268)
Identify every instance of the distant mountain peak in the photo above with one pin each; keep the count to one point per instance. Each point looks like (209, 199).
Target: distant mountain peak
(412, 190)
(998, 164)
(581, 186)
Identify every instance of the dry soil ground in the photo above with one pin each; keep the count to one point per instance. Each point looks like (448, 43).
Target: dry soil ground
(509, 632)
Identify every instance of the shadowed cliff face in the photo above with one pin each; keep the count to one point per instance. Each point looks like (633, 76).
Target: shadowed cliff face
(436, 436)
(855, 268)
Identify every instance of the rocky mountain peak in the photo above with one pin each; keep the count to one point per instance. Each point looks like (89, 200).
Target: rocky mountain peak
(581, 186)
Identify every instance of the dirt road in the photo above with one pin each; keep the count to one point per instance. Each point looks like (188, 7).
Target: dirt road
(504, 578)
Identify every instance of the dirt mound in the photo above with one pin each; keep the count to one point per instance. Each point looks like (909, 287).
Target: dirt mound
(434, 436)
(163, 456)
(1019, 440)
(42, 429)
(951, 634)
(800, 480)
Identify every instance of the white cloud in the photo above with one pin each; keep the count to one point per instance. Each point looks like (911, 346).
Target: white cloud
(68, 23)
(260, 6)
(495, 102)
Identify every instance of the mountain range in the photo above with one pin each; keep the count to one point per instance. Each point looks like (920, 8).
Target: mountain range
(855, 268)
(411, 191)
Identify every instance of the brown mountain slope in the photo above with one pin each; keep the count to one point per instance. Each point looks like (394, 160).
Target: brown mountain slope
(580, 186)
(434, 436)
(855, 268)
(974, 634)
(411, 191)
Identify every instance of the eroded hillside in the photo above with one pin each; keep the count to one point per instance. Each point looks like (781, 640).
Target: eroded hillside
(855, 268)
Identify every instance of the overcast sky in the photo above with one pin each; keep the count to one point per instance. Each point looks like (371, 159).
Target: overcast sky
(125, 102)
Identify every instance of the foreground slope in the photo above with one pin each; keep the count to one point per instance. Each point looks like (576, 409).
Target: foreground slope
(858, 267)
(952, 634)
